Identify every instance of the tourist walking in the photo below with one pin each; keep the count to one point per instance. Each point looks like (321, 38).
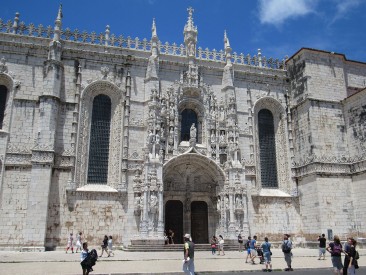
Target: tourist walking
(253, 249)
(104, 245)
(78, 242)
(266, 249)
(346, 250)
(83, 262)
(240, 241)
(351, 257)
(88, 259)
(286, 249)
(322, 245)
(110, 246)
(70, 243)
(188, 262)
(213, 244)
(221, 245)
(247, 247)
(335, 249)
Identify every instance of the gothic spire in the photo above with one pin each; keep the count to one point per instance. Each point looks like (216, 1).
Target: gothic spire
(190, 34)
(58, 23)
(153, 64)
(227, 78)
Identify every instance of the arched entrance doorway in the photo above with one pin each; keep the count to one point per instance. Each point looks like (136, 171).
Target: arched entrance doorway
(174, 219)
(199, 221)
(192, 179)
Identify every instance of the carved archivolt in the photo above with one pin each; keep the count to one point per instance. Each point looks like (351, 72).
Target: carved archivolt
(281, 137)
(115, 144)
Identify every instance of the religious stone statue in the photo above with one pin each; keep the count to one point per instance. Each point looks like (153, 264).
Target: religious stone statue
(193, 131)
(218, 204)
(213, 137)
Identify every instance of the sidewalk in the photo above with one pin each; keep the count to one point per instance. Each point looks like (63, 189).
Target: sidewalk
(57, 262)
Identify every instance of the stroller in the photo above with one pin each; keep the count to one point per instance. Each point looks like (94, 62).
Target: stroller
(90, 260)
(260, 255)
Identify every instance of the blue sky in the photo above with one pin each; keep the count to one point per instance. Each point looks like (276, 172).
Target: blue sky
(277, 27)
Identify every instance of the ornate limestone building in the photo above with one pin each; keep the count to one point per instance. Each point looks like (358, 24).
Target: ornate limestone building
(111, 135)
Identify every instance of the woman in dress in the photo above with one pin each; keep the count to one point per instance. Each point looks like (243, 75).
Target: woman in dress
(78, 242)
(105, 245)
(221, 245)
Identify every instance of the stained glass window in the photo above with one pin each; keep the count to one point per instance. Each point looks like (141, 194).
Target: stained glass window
(99, 140)
(267, 147)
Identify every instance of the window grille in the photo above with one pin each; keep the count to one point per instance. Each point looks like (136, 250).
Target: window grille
(267, 148)
(3, 95)
(99, 140)
(188, 118)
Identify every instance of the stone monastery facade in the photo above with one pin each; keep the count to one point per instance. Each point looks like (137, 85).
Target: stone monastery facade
(111, 135)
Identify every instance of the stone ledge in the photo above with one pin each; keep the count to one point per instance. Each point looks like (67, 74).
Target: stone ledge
(96, 188)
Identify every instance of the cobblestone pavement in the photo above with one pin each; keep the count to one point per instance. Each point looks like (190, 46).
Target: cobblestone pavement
(57, 262)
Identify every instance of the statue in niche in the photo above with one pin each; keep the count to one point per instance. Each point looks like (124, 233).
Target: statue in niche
(150, 138)
(191, 51)
(222, 114)
(193, 131)
(171, 112)
(157, 138)
(238, 202)
(137, 205)
(226, 203)
(218, 205)
(213, 137)
(222, 137)
(163, 109)
(171, 136)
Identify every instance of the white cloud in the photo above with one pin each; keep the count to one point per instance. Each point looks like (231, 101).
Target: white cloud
(343, 7)
(277, 11)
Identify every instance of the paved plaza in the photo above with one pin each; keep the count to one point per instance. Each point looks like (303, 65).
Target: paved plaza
(57, 262)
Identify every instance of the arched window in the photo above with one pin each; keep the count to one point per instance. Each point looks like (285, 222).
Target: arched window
(99, 140)
(189, 117)
(3, 95)
(267, 149)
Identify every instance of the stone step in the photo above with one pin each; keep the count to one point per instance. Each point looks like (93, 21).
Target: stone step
(173, 247)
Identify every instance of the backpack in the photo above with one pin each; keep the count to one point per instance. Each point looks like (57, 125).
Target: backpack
(247, 244)
(357, 256)
(336, 249)
(286, 248)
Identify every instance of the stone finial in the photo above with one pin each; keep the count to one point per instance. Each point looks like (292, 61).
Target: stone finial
(58, 23)
(259, 58)
(106, 35)
(153, 30)
(226, 41)
(16, 20)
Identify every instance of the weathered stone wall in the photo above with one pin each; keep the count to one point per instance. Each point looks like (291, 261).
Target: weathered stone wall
(14, 205)
(325, 204)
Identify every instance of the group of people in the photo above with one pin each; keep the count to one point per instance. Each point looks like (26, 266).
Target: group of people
(262, 251)
(88, 258)
(169, 237)
(70, 242)
(335, 248)
(107, 246)
(217, 244)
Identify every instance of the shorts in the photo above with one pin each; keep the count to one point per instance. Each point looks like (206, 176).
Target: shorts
(253, 252)
(248, 250)
(267, 257)
(337, 262)
(321, 251)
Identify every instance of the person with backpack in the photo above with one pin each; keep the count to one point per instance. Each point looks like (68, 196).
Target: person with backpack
(352, 257)
(286, 249)
(188, 262)
(335, 249)
(247, 247)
